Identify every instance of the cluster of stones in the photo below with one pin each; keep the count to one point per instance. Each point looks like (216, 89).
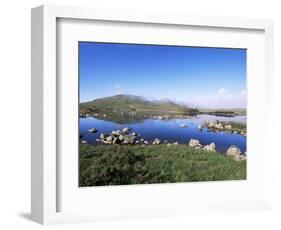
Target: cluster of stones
(122, 136)
(196, 144)
(82, 115)
(169, 116)
(218, 126)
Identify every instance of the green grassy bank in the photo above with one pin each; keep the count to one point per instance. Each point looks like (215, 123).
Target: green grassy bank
(122, 165)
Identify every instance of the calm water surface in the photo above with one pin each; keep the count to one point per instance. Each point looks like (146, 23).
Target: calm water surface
(170, 130)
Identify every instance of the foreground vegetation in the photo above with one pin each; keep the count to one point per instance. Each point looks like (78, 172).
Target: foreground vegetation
(134, 164)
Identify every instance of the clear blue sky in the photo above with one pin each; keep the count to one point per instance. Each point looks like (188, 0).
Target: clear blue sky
(198, 76)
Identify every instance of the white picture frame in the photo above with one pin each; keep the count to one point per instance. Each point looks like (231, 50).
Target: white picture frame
(46, 181)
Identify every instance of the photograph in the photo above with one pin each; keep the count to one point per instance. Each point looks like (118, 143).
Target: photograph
(151, 114)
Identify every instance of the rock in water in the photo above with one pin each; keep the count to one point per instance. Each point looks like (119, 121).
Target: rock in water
(93, 130)
(219, 126)
(210, 147)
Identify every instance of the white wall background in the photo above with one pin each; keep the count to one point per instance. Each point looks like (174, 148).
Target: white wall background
(15, 112)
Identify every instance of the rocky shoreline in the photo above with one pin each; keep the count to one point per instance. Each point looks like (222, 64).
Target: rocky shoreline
(126, 136)
(217, 126)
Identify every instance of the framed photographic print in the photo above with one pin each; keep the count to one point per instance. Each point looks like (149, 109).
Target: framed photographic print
(140, 114)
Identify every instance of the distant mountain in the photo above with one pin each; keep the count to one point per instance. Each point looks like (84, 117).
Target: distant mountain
(131, 104)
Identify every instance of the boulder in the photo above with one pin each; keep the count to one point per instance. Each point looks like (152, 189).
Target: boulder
(145, 142)
(219, 126)
(156, 141)
(235, 153)
(121, 137)
(115, 140)
(125, 130)
(211, 147)
(107, 140)
(194, 143)
(116, 133)
(93, 130)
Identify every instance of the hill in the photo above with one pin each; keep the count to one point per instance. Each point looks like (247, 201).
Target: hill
(131, 106)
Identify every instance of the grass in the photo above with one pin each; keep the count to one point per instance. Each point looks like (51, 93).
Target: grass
(122, 165)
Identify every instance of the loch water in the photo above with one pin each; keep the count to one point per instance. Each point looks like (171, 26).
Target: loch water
(170, 130)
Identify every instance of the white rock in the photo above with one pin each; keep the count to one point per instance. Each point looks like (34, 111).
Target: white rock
(125, 130)
(194, 143)
(210, 147)
(233, 151)
(219, 126)
(93, 130)
(156, 141)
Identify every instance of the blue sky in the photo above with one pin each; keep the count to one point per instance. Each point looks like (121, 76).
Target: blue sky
(197, 76)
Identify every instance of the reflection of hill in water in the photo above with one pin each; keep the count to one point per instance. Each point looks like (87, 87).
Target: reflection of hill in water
(122, 120)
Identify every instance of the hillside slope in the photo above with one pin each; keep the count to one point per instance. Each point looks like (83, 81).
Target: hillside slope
(129, 104)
